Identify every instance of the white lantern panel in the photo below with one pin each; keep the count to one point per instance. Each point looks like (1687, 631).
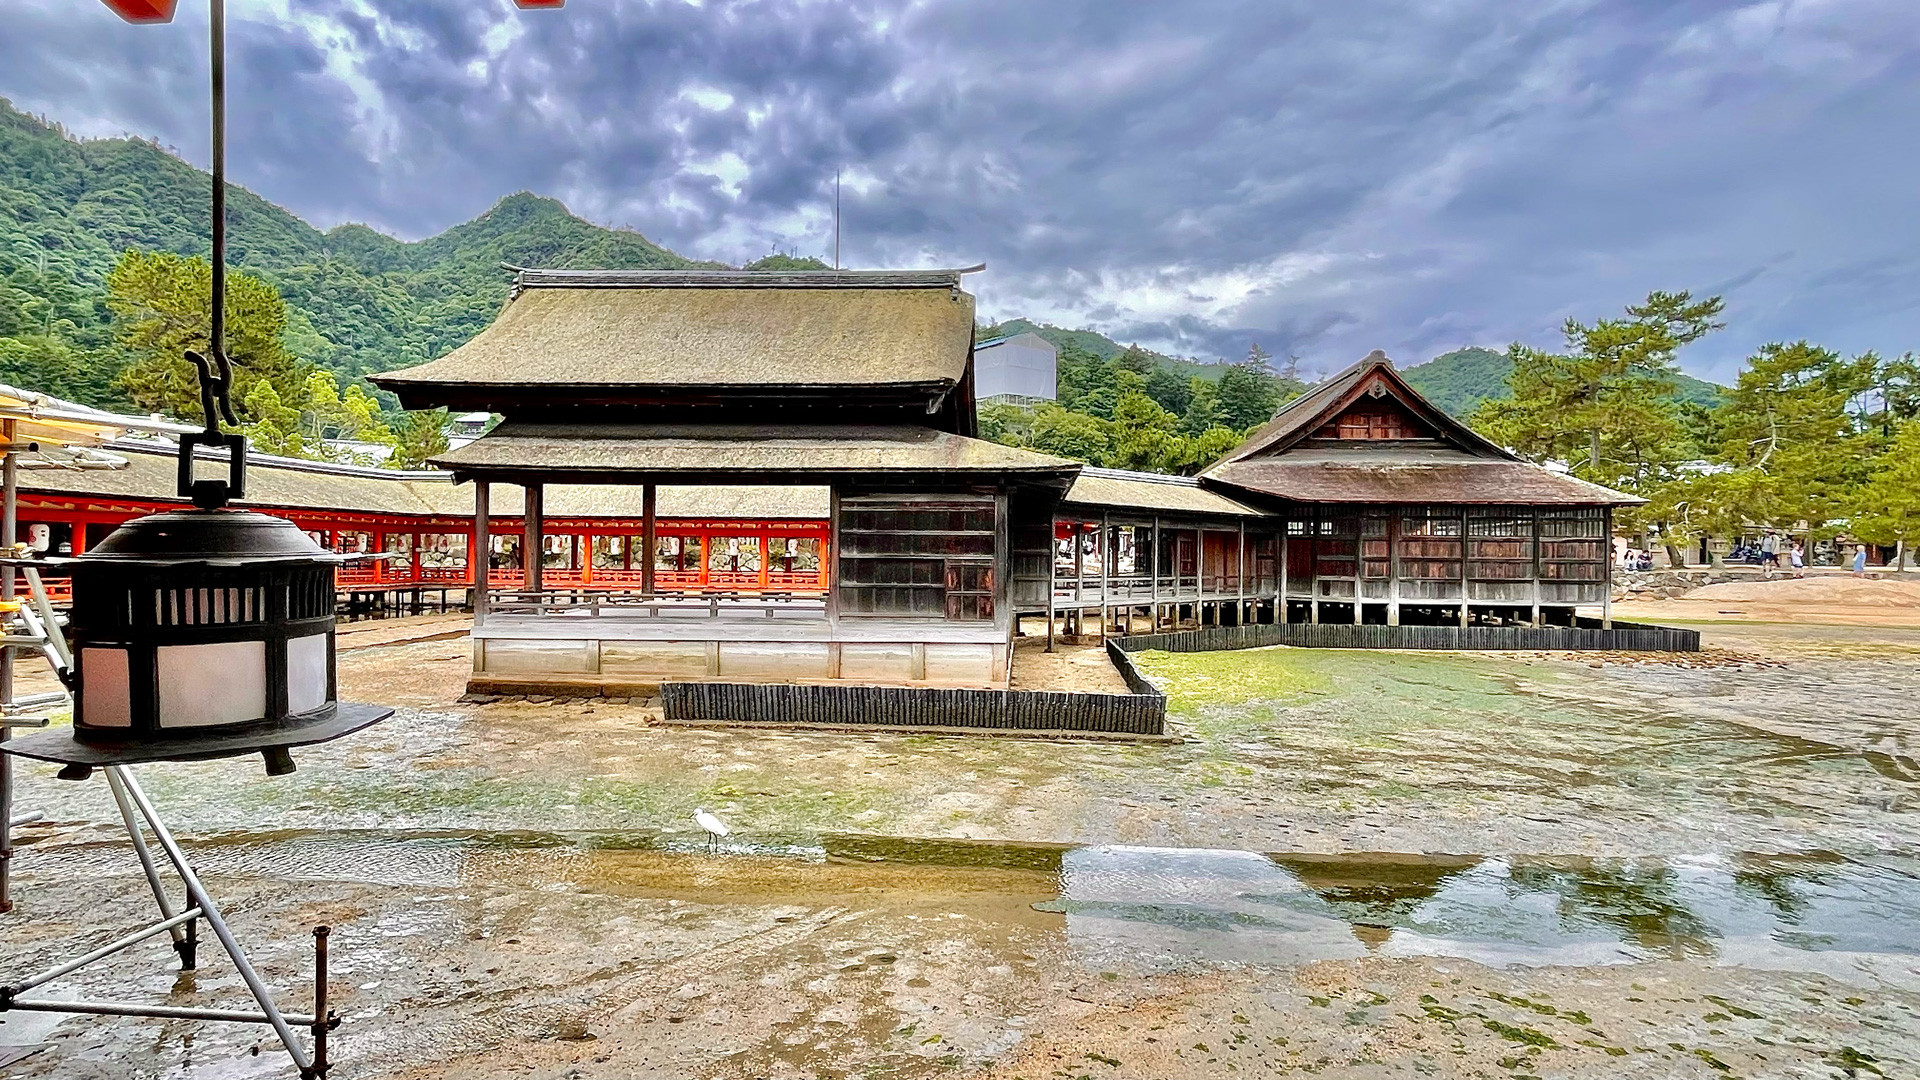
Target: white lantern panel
(306, 673)
(103, 688)
(225, 683)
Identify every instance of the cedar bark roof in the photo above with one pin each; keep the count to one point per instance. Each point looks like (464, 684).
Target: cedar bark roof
(741, 452)
(1287, 459)
(713, 330)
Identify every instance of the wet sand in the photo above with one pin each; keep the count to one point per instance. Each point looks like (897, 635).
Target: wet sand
(517, 890)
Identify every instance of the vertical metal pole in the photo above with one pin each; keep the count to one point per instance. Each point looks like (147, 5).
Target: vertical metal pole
(217, 27)
(9, 524)
(649, 527)
(320, 1019)
(480, 552)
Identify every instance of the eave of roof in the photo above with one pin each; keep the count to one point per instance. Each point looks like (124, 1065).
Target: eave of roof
(1327, 478)
(709, 451)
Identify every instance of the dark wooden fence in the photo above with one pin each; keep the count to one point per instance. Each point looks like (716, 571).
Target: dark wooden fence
(1585, 637)
(914, 706)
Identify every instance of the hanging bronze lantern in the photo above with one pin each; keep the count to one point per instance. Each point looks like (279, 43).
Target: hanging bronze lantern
(202, 633)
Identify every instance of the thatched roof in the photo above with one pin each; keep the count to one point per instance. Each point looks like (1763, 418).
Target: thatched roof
(725, 452)
(713, 330)
(1288, 459)
(1121, 489)
(311, 486)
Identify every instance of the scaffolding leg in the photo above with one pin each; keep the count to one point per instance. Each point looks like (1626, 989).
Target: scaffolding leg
(184, 940)
(197, 893)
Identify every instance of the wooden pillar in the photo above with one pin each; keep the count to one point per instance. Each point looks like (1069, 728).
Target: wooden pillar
(1053, 559)
(1106, 565)
(1359, 562)
(1533, 530)
(1606, 557)
(531, 554)
(648, 528)
(415, 575)
(1280, 594)
(1466, 574)
(585, 544)
(479, 549)
(79, 542)
(1153, 564)
(1240, 578)
(1393, 568)
(766, 554)
(1313, 560)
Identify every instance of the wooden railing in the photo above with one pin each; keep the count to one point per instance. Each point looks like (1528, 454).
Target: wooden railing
(711, 603)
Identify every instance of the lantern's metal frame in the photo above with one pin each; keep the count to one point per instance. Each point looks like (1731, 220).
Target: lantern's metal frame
(181, 924)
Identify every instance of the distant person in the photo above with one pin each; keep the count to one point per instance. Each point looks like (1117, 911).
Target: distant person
(1770, 551)
(1799, 559)
(1859, 558)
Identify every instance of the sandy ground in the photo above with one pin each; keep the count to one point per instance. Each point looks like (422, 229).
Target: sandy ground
(1829, 599)
(517, 890)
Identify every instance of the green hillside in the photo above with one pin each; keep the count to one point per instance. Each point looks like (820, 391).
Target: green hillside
(1460, 380)
(359, 300)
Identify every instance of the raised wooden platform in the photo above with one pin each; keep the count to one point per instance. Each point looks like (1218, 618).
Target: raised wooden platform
(1586, 636)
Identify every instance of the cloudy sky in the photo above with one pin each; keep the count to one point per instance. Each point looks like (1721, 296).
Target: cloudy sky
(1324, 177)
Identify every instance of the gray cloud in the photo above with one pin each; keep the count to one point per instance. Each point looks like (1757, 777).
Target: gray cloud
(1325, 178)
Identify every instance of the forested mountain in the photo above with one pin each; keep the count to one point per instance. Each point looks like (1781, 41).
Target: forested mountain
(358, 300)
(1460, 380)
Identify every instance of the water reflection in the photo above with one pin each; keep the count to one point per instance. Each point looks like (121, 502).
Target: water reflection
(1156, 909)
(1159, 908)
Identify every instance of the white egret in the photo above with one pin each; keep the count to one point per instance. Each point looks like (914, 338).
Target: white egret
(716, 828)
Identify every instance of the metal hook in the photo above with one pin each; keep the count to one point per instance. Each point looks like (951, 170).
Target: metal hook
(216, 388)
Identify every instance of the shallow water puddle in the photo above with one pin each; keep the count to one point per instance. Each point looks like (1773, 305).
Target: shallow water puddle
(1154, 909)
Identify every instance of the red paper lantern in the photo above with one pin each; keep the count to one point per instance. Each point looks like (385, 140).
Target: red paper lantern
(143, 11)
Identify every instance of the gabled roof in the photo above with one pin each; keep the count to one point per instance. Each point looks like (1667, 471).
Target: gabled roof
(1300, 418)
(1458, 465)
(639, 331)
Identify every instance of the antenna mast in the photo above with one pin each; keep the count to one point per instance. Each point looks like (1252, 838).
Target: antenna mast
(836, 217)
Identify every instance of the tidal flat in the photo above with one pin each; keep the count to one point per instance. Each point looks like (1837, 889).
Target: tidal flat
(1350, 864)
